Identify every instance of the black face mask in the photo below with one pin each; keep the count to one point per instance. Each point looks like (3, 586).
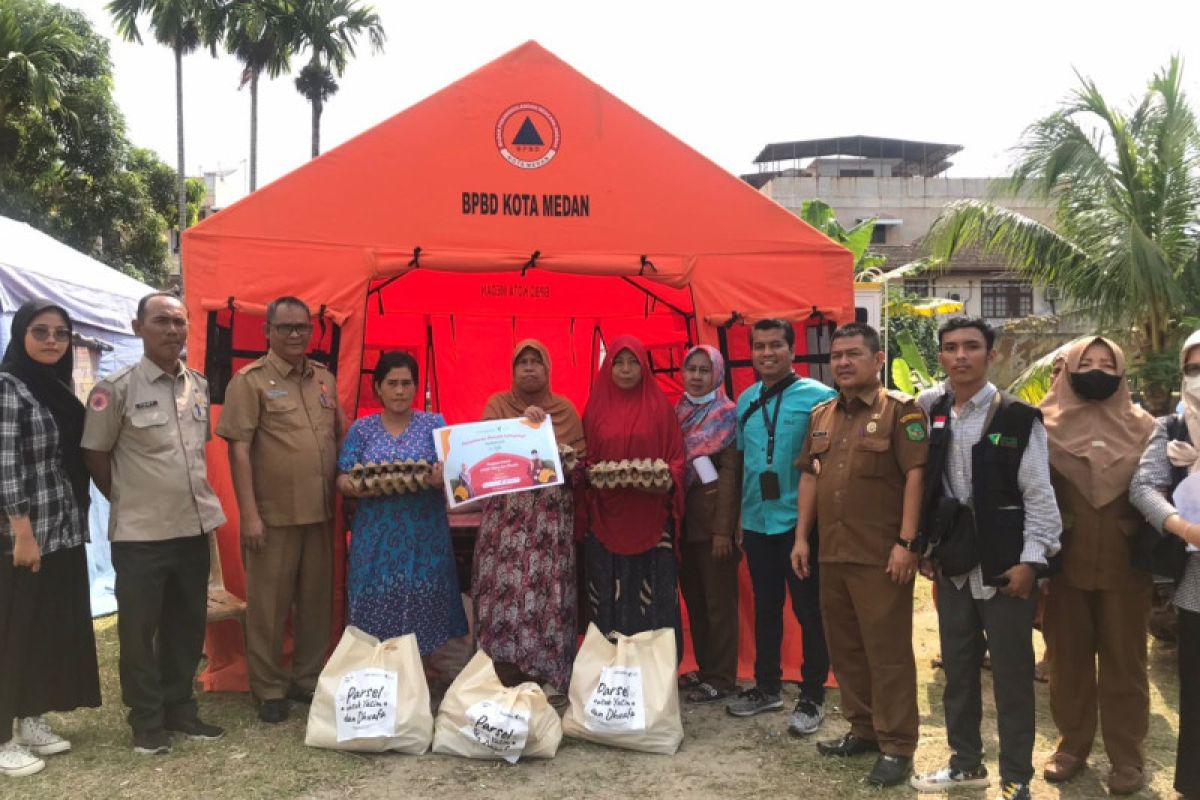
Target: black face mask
(1095, 384)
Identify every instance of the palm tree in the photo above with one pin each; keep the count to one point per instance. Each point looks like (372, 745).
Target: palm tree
(260, 33)
(177, 25)
(329, 29)
(1126, 192)
(35, 59)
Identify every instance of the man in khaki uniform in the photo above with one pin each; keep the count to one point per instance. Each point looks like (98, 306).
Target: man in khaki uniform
(863, 467)
(143, 442)
(282, 421)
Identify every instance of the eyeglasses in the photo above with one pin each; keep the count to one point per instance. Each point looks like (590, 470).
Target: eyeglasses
(293, 330)
(41, 333)
(1191, 370)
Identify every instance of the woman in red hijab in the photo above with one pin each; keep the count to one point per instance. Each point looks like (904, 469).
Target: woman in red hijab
(629, 551)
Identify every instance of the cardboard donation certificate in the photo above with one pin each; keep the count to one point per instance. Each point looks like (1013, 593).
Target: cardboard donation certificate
(496, 457)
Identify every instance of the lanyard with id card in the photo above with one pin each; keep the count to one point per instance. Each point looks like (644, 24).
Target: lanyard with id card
(768, 479)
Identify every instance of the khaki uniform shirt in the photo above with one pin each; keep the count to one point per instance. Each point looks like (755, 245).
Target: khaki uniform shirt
(290, 418)
(154, 426)
(860, 449)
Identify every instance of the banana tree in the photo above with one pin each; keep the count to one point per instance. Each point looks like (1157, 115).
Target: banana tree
(857, 240)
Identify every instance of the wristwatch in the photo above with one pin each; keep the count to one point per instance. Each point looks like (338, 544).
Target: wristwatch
(908, 544)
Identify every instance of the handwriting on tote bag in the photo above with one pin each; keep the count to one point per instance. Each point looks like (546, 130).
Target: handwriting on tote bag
(365, 704)
(617, 704)
(499, 729)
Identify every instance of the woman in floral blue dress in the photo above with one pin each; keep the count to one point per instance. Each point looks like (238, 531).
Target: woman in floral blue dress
(401, 576)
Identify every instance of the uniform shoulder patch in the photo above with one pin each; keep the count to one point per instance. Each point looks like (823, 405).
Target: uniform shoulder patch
(914, 432)
(916, 416)
(198, 375)
(903, 397)
(99, 398)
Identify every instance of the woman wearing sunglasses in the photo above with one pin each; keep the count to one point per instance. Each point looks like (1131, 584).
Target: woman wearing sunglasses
(47, 647)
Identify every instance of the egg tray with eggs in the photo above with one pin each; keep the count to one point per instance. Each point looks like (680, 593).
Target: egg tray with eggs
(631, 473)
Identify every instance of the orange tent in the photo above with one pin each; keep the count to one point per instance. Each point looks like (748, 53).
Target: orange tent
(522, 200)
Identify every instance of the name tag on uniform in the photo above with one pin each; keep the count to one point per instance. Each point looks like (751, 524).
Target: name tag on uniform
(819, 434)
(145, 404)
(273, 394)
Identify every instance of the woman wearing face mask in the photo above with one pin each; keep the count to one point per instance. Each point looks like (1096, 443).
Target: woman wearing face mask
(1099, 605)
(708, 570)
(47, 648)
(1170, 457)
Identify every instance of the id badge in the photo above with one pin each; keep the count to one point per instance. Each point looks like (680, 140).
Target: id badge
(768, 484)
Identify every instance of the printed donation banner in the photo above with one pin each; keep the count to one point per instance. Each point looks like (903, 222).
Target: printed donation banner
(497, 457)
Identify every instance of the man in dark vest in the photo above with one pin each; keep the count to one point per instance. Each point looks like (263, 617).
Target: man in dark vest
(992, 521)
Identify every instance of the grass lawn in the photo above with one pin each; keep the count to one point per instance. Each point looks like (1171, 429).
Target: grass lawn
(721, 757)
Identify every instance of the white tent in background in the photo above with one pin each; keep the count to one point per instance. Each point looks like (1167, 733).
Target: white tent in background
(101, 302)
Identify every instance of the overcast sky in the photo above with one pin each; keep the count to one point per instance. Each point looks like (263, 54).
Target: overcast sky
(726, 78)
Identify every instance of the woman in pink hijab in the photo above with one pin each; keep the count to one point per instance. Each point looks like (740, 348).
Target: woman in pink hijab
(708, 572)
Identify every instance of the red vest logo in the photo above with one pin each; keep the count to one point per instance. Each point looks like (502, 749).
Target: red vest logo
(527, 135)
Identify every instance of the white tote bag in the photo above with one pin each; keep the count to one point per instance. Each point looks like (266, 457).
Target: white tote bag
(480, 717)
(624, 694)
(372, 697)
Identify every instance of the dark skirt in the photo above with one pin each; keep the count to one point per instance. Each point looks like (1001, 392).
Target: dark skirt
(1187, 765)
(631, 594)
(47, 645)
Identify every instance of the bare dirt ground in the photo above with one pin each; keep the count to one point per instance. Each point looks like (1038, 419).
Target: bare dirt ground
(723, 757)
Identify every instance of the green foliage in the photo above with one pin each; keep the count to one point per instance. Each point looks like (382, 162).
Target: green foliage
(76, 177)
(37, 54)
(1033, 383)
(196, 190)
(174, 23)
(1126, 192)
(857, 240)
(329, 31)
(260, 33)
(912, 348)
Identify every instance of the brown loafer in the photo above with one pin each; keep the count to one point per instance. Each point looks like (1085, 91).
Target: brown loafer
(1126, 780)
(1062, 767)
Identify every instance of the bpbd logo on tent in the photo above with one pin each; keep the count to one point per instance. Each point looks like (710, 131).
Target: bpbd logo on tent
(527, 135)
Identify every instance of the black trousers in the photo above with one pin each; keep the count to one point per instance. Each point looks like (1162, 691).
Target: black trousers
(1003, 627)
(771, 576)
(1187, 752)
(162, 607)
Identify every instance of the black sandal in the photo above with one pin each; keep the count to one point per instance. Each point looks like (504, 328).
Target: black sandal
(689, 680)
(706, 693)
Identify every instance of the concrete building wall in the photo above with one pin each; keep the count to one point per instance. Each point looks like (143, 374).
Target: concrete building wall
(915, 202)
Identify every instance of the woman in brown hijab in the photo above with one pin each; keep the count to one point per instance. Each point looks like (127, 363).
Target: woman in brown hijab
(524, 581)
(1099, 605)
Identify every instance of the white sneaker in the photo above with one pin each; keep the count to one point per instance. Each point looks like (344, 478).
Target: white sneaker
(17, 762)
(35, 734)
(947, 778)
